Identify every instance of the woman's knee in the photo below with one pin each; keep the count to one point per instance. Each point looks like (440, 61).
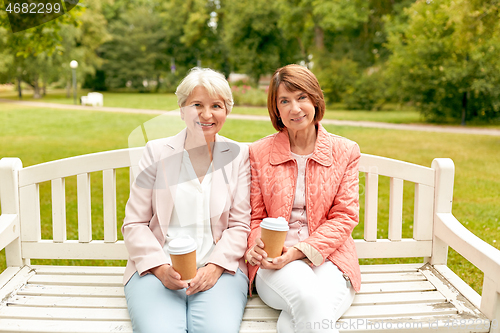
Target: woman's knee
(153, 308)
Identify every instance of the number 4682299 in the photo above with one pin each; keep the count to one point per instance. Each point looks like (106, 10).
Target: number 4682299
(33, 8)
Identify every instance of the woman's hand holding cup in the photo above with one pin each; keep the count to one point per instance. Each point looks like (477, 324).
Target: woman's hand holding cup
(169, 277)
(289, 254)
(256, 253)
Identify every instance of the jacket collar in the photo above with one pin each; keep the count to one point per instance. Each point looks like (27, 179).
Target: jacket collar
(281, 153)
(176, 143)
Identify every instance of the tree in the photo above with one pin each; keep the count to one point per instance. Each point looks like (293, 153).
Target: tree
(445, 58)
(28, 52)
(257, 45)
(136, 52)
(313, 22)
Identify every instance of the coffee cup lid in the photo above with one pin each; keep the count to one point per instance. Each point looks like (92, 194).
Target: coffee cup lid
(181, 245)
(278, 224)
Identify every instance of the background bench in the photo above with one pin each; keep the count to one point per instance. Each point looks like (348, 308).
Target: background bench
(93, 98)
(426, 296)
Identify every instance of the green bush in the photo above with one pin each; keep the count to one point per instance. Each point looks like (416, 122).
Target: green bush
(247, 95)
(367, 93)
(336, 77)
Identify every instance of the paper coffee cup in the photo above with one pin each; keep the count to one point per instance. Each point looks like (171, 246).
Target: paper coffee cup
(183, 255)
(273, 235)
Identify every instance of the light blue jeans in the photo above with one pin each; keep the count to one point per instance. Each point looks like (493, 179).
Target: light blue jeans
(154, 308)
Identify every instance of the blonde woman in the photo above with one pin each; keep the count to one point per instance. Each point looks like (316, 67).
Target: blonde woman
(194, 184)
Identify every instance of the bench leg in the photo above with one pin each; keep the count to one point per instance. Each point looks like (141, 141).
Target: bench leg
(490, 303)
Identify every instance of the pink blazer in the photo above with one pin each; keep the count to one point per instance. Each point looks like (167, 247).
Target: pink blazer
(149, 208)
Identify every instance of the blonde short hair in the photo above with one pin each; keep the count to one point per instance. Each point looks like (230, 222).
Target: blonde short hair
(215, 83)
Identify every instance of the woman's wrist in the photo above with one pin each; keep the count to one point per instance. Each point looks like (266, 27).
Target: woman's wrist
(297, 254)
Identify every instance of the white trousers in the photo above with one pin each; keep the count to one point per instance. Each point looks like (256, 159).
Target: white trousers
(311, 299)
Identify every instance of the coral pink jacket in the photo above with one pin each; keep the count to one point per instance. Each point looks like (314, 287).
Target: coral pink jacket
(332, 198)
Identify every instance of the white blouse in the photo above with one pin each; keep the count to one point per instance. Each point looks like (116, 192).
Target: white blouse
(298, 220)
(191, 213)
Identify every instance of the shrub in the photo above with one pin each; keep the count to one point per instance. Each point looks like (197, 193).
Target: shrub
(247, 95)
(367, 93)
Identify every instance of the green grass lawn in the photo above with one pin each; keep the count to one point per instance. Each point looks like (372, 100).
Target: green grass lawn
(165, 102)
(39, 135)
(168, 102)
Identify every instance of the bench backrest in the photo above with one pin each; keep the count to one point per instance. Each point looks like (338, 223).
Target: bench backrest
(28, 181)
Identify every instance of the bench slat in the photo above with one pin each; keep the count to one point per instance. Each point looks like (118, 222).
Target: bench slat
(392, 277)
(254, 302)
(399, 310)
(399, 298)
(77, 165)
(84, 208)
(71, 249)
(70, 291)
(78, 280)
(29, 198)
(396, 209)
(258, 327)
(109, 205)
(29, 312)
(380, 279)
(390, 268)
(58, 193)
(384, 248)
(393, 168)
(64, 301)
(260, 314)
(396, 287)
(79, 270)
(63, 326)
(423, 212)
(371, 207)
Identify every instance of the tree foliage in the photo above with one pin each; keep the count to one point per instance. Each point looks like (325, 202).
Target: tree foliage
(440, 55)
(257, 45)
(445, 58)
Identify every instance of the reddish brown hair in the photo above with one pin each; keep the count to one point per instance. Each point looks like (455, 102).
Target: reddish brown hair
(294, 77)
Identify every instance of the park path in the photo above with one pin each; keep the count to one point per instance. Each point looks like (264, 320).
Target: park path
(371, 124)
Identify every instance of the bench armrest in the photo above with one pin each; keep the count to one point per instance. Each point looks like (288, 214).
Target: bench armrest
(9, 229)
(481, 254)
(484, 256)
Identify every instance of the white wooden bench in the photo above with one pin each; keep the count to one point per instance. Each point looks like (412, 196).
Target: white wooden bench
(426, 296)
(93, 98)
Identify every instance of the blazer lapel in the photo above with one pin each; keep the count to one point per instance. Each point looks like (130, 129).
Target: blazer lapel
(224, 154)
(168, 177)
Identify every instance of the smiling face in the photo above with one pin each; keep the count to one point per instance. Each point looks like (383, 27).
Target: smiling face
(295, 108)
(204, 114)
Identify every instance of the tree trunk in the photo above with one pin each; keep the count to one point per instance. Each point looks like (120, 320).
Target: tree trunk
(319, 38)
(36, 87)
(302, 49)
(157, 82)
(464, 108)
(19, 89)
(44, 88)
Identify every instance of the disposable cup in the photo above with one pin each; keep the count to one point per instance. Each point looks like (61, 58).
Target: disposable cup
(183, 255)
(273, 235)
